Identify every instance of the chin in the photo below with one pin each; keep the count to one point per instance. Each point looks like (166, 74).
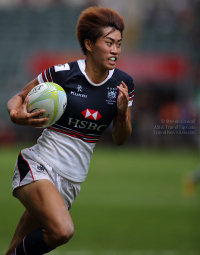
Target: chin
(111, 67)
(108, 67)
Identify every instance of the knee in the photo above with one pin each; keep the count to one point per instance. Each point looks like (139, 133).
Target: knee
(64, 233)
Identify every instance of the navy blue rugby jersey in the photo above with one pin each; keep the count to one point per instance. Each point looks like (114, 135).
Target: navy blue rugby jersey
(90, 107)
(68, 144)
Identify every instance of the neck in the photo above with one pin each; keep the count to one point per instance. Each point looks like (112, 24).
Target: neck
(95, 74)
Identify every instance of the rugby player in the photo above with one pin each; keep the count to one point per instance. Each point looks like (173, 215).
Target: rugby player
(48, 176)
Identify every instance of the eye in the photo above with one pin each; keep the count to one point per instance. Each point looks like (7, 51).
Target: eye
(119, 44)
(109, 43)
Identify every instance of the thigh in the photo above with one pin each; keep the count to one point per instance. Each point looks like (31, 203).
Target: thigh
(44, 203)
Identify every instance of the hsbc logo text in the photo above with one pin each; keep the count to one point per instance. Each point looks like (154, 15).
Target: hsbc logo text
(85, 124)
(91, 114)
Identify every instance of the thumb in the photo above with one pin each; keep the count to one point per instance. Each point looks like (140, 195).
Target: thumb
(26, 101)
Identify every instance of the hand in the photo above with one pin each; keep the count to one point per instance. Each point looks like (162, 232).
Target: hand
(22, 117)
(123, 98)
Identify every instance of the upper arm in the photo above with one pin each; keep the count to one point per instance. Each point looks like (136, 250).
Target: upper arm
(24, 92)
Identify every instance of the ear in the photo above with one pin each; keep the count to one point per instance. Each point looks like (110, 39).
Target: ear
(88, 44)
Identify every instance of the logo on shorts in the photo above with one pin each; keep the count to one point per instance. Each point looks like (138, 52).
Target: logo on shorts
(40, 169)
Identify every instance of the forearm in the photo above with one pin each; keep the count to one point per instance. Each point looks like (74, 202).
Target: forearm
(122, 128)
(17, 108)
(13, 105)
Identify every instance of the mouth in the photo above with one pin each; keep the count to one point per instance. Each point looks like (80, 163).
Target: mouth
(112, 60)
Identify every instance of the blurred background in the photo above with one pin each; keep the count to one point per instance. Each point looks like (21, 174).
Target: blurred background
(161, 51)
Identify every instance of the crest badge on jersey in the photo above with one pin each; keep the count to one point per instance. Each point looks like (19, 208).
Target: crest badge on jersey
(112, 95)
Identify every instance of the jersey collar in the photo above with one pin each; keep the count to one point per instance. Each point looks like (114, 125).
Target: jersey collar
(81, 64)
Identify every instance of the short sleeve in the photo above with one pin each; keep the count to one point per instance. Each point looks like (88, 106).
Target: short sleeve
(47, 75)
(54, 74)
(131, 93)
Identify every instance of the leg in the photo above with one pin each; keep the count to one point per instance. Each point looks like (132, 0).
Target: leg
(26, 224)
(45, 205)
(190, 182)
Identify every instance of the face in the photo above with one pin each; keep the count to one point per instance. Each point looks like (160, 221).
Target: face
(107, 48)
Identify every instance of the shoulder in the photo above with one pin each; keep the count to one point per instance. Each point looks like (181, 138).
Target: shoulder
(59, 73)
(66, 71)
(66, 68)
(122, 76)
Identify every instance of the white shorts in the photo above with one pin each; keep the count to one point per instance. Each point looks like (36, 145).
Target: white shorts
(31, 167)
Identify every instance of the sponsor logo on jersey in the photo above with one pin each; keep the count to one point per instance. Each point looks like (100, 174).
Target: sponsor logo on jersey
(85, 124)
(35, 89)
(79, 88)
(64, 67)
(79, 92)
(112, 95)
(91, 114)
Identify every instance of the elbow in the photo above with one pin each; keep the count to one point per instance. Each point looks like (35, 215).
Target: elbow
(120, 143)
(121, 138)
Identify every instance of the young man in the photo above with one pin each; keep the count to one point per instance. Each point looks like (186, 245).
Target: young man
(47, 176)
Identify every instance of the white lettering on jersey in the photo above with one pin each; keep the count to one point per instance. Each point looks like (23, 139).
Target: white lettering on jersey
(85, 124)
(78, 94)
(64, 67)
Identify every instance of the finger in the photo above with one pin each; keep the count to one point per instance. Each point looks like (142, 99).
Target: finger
(120, 87)
(123, 90)
(25, 104)
(38, 122)
(123, 84)
(37, 113)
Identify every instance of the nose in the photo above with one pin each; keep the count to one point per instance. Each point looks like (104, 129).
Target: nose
(114, 49)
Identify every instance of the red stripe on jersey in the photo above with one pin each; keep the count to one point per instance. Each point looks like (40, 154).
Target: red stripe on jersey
(131, 94)
(43, 77)
(49, 72)
(75, 135)
(48, 76)
(57, 127)
(84, 136)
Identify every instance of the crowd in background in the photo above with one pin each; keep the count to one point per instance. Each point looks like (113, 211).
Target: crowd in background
(169, 27)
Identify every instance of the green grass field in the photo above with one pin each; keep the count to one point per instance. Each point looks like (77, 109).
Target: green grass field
(130, 204)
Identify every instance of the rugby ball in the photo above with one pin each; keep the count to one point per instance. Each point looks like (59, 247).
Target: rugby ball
(49, 96)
